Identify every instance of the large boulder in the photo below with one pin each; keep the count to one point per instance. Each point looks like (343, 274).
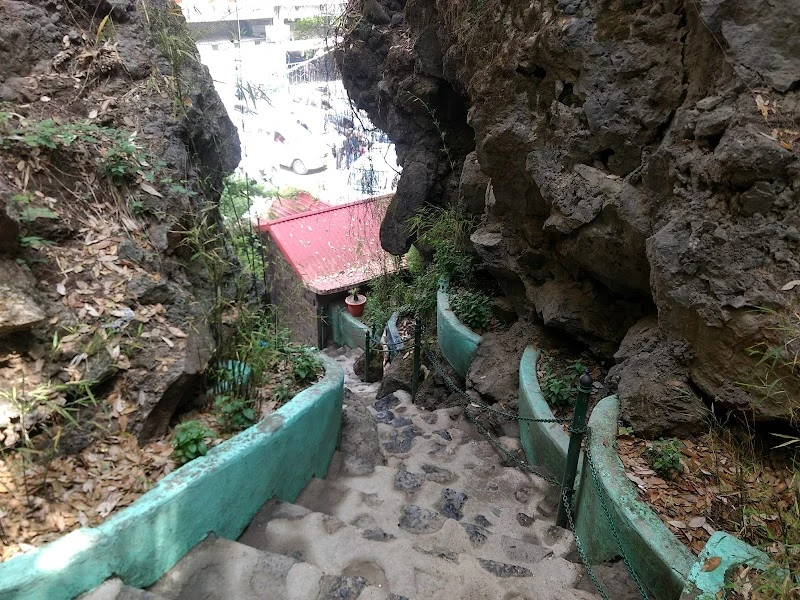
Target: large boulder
(397, 375)
(652, 384)
(494, 372)
(642, 161)
(162, 391)
(20, 307)
(375, 366)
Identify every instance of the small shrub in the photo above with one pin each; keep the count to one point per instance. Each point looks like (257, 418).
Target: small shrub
(282, 393)
(414, 261)
(233, 413)
(557, 390)
(472, 308)
(664, 457)
(305, 366)
(189, 441)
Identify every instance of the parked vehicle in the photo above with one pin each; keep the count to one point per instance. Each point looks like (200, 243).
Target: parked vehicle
(283, 142)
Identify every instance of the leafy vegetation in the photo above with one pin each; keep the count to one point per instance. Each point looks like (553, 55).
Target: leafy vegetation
(114, 151)
(559, 387)
(773, 526)
(189, 441)
(664, 457)
(235, 413)
(474, 309)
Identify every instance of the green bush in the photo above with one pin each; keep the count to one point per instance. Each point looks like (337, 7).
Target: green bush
(664, 457)
(557, 390)
(305, 366)
(235, 413)
(474, 309)
(189, 441)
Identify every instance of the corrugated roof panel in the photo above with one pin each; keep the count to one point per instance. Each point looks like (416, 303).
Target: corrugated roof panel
(335, 248)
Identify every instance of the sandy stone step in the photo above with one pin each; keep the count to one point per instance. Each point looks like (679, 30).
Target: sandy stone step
(494, 513)
(115, 589)
(413, 567)
(219, 569)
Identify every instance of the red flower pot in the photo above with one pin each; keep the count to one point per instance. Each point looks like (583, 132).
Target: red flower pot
(356, 306)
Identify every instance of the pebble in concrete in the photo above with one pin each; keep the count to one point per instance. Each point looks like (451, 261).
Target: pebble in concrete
(408, 482)
(401, 422)
(430, 418)
(443, 433)
(385, 403)
(525, 520)
(452, 503)
(522, 551)
(341, 588)
(438, 474)
(384, 416)
(500, 569)
(377, 535)
(477, 535)
(401, 442)
(420, 520)
(482, 521)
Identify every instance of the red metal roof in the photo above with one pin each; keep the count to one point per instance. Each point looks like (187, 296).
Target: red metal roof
(335, 248)
(280, 207)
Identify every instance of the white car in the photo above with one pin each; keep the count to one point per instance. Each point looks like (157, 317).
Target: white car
(281, 141)
(295, 147)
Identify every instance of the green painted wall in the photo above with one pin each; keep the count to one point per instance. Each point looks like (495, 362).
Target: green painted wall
(545, 444)
(220, 493)
(457, 342)
(346, 330)
(660, 560)
(707, 585)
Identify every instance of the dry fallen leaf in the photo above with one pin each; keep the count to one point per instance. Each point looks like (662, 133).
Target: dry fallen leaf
(762, 106)
(791, 285)
(176, 332)
(697, 522)
(150, 189)
(711, 563)
(677, 524)
(61, 289)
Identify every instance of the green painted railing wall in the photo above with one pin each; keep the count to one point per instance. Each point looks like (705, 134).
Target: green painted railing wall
(219, 493)
(457, 342)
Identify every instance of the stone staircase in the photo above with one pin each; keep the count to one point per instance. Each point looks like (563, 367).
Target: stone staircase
(415, 505)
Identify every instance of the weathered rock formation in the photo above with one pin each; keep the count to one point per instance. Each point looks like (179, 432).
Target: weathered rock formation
(642, 159)
(130, 149)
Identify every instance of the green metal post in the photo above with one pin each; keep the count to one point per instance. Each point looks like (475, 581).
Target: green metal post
(574, 451)
(367, 337)
(417, 348)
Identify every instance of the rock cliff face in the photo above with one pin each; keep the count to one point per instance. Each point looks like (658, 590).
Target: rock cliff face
(113, 149)
(635, 163)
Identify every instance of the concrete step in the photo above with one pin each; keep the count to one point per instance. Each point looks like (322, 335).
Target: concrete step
(482, 529)
(419, 567)
(501, 504)
(219, 569)
(115, 589)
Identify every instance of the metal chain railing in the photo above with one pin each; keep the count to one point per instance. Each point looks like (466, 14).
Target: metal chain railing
(614, 531)
(566, 494)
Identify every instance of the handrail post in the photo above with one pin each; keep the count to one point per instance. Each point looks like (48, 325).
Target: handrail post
(367, 337)
(575, 439)
(417, 347)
